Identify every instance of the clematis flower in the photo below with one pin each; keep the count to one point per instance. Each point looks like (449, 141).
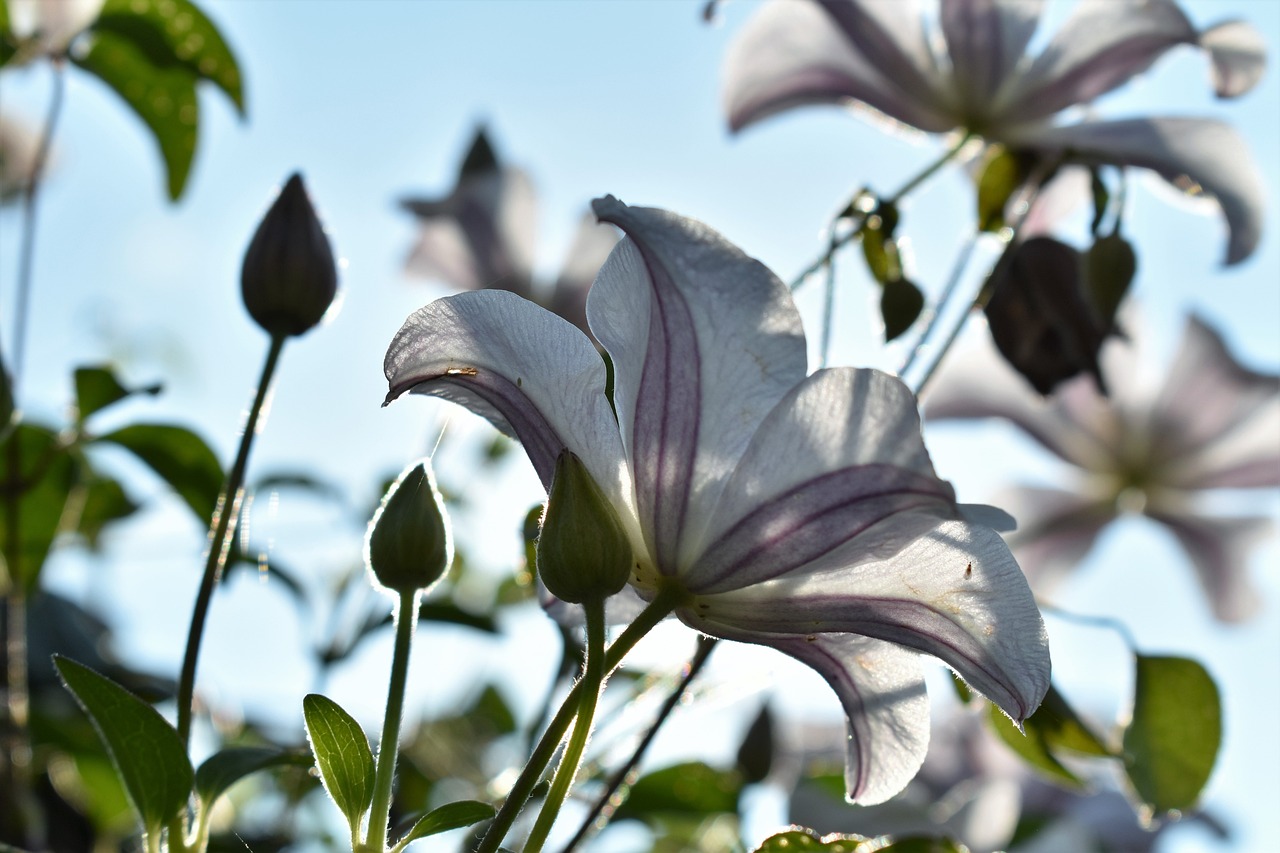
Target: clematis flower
(482, 235)
(49, 26)
(796, 512)
(1213, 424)
(976, 79)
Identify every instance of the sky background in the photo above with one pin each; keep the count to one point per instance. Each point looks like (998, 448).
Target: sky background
(376, 100)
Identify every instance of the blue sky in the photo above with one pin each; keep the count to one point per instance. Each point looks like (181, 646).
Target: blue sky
(374, 100)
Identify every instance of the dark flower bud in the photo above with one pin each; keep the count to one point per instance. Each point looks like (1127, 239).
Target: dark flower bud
(409, 546)
(755, 755)
(289, 277)
(583, 551)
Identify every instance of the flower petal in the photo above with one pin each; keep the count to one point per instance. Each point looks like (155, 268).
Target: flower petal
(1219, 549)
(885, 703)
(836, 474)
(1217, 421)
(531, 373)
(1103, 45)
(494, 213)
(1198, 154)
(1239, 56)
(591, 246)
(1076, 424)
(793, 53)
(955, 593)
(986, 39)
(704, 342)
(1056, 531)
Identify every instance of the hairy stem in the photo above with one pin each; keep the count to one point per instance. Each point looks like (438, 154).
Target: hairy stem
(589, 690)
(406, 621)
(606, 804)
(220, 537)
(661, 606)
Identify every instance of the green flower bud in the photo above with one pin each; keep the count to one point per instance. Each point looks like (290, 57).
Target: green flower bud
(583, 551)
(409, 546)
(289, 278)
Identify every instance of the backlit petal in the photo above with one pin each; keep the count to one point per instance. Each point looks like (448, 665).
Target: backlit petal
(1198, 155)
(824, 479)
(704, 342)
(886, 706)
(955, 593)
(792, 53)
(1239, 56)
(986, 39)
(1219, 549)
(1056, 531)
(528, 371)
(1103, 45)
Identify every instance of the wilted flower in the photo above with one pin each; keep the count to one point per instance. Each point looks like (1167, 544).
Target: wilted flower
(409, 545)
(1214, 424)
(976, 79)
(51, 25)
(797, 512)
(482, 235)
(289, 278)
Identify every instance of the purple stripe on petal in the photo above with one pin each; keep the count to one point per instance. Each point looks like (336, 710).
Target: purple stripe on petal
(814, 518)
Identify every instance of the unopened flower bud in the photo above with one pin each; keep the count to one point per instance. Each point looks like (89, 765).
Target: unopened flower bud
(583, 551)
(409, 546)
(289, 277)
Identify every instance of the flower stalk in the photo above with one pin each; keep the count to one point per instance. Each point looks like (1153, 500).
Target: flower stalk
(220, 538)
(589, 689)
(388, 749)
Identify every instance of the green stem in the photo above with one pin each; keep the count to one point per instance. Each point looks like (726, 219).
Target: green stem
(1106, 622)
(592, 681)
(605, 804)
(406, 620)
(666, 601)
(838, 242)
(944, 300)
(220, 536)
(26, 257)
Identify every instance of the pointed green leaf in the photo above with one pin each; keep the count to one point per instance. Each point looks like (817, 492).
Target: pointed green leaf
(7, 406)
(1063, 728)
(1001, 176)
(223, 769)
(342, 755)
(1109, 268)
(1172, 742)
(1101, 199)
(37, 490)
(693, 788)
(147, 752)
(447, 817)
(176, 32)
(164, 97)
(180, 457)
(98, 387)
(1032, 748)
(900, 305)
(105, 501)
(881, 254)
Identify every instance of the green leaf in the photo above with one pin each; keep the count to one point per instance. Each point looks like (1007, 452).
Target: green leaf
(1101, 199)
(146, 751)
(7, 406)
(1172, 742)
(105, 501)
(881, 254)
(1001, 176)
(1109, 268)
(7, 47)
(176, 32)
(98, 387)
(164, 97)
(1032, 748)
(924, 844)
(1063, 728)
(755, 753)
(447, 817)
(693, 788)
(223, 769)
(805, 839)
(342, 755)
(180, 457)
(900, 305)
(38, 491)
